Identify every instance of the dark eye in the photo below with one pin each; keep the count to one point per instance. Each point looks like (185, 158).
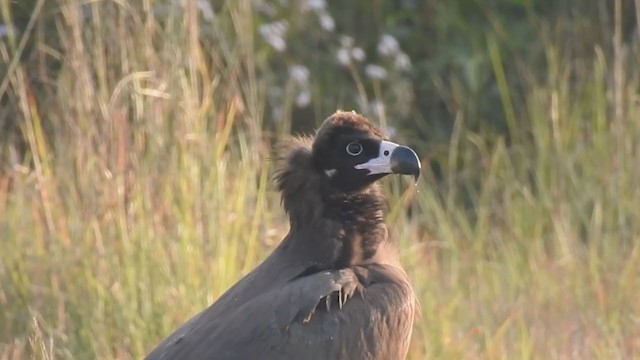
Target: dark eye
(354, 149)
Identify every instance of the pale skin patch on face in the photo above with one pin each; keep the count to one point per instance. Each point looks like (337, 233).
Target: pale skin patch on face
(330, 172)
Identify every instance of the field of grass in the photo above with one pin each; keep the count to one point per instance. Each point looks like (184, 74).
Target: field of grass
(142, 192)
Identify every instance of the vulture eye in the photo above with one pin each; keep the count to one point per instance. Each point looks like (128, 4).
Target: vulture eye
(354, 149)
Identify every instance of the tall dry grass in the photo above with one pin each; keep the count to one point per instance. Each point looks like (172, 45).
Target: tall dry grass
(146, 194)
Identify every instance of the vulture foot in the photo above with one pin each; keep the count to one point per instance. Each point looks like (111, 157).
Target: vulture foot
(348, 285)
(327, 287)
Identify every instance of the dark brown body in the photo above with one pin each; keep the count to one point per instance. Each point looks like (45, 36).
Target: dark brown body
(333, 289)
(272, 326)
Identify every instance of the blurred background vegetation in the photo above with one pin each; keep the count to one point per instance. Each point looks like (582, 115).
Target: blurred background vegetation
(135, 147)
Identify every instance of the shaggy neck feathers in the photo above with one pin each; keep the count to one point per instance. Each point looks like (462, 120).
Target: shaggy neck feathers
(345, 228)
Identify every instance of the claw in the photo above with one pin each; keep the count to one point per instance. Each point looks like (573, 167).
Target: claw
(308, 318)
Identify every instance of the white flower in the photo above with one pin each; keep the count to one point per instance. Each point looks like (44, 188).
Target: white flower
(299, 74)
(402, 62)
(303, 98)
(375, 72)
(326, 21)
(358, 54)
(314, 5)
(348, 52)
(346, 41)
(277, 43)
(343, 56)
(388, 45)
(273, 34)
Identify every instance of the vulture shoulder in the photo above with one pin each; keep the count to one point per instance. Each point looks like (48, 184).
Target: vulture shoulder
(334, 314)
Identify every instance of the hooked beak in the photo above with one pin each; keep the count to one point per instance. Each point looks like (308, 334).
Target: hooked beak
(393, 159)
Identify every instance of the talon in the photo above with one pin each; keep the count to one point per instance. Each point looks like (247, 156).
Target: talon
(308, 318)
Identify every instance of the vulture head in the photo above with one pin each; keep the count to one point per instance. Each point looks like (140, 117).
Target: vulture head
(352, 153)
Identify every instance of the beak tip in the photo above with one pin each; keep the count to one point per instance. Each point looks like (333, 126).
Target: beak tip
(405, 161)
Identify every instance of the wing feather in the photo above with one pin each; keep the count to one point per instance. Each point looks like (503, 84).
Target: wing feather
(294, 320)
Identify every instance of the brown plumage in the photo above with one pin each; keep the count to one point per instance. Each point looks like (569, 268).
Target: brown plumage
(334, 288)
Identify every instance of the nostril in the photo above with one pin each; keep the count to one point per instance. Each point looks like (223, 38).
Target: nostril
(386, 153)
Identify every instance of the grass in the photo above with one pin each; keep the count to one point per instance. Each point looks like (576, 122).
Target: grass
(144, 194)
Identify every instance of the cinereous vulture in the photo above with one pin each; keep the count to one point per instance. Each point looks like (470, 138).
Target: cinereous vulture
(334, 287)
